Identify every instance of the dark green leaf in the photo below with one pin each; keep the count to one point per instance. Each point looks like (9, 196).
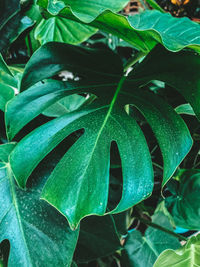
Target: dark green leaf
(98, 238)
(13, 23)
(173, 69)
(4, 66)
(37, 233)
(80, 60)
(80, 189)
(144, 250)
(184, 203)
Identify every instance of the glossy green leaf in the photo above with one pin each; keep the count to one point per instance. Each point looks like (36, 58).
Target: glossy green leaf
(82, 188)
(12, 23)
(57, 57)
(98, 238)
(6, 93)
(184, 203)
(143, 30)
(8, 11)
(185, 109)
(188, 255)
(37, 233)
(60, 29)
(173, 69)
(87, 10)
(7, 83)
(144, 250)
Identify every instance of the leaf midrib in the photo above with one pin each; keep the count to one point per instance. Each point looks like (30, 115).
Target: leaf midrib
(120, 84)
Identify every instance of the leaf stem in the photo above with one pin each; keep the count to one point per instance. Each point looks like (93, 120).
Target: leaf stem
(153, 4)
(156, 226)
(133, 60)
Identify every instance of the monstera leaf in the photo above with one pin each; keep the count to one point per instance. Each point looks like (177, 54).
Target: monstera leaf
(184, 203)
(143, 30)
(188, 255)
(78, 185)
(30, 224)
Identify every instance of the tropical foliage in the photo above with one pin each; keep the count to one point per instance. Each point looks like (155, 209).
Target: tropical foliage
(99, 111)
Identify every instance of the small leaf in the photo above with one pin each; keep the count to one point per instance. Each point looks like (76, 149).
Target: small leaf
(188, 255)
(184, 203)
(144, 250)
(6, 93)
(4, 66)
(185, 109)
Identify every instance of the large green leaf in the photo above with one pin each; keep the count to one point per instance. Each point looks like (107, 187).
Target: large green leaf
(82, 188)
(144, 250)
(37, 233)
(98, 238)
(60, 29)
(143, 30)
(188, 255)
(184, 203)
(64, 30)
(87, 10)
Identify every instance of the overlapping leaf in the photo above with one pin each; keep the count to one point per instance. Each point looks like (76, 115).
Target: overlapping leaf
(6, 91)
(60, 29)
(143, 30)
(87, 10)
(38, 235)
(184, 203)
(12, 23)
(78, 186)
(3, 66)
(64, 30)
(188, 255)
(144, 250)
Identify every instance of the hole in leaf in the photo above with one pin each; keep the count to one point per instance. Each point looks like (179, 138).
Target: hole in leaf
(4, 251)
(116, 181)
(38, 121)
(46, 166)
